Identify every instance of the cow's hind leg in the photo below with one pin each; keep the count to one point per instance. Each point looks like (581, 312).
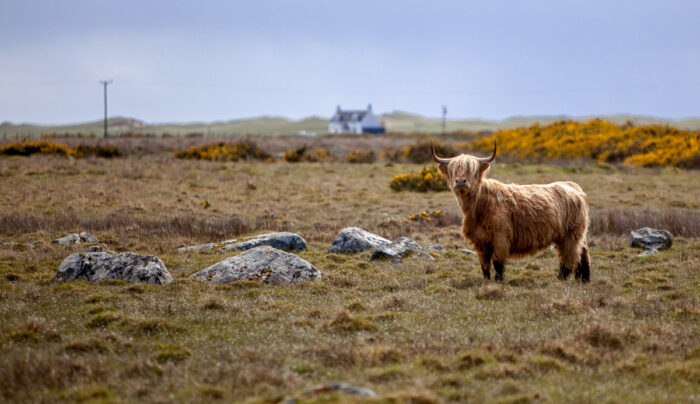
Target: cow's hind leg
(583, 270)
(570, 254)
(485, 260)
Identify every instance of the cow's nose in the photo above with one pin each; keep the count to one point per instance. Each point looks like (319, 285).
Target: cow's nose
(461, 182)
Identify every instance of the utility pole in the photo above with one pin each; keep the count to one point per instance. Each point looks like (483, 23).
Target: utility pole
(444, 118)
(105, 82)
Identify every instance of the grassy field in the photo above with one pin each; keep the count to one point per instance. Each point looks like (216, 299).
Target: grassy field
(417, 332)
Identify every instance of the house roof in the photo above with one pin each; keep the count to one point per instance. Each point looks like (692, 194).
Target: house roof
(348, 116)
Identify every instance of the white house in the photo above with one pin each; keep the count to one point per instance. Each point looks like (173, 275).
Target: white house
(355, 122)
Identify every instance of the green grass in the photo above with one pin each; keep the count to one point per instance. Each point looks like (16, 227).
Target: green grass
(420, 331)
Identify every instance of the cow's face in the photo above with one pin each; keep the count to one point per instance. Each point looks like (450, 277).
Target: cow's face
(464, 174)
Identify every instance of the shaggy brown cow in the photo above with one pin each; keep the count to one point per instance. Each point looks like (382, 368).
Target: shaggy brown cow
(505, 221)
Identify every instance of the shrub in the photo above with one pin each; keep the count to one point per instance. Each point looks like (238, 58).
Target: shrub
(83, 150)
(361, 156)
(419, 152)
(428, 179)
(648, 146)
(303, 154)
(425, 215)
(36, 147)
(224, 152)
(44, 147)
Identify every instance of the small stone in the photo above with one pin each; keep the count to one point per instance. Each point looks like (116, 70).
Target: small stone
(647, 253)
(466, 251)
(198, 247)
(95, 248)
(395, 261)
(283, 241)
(651, 239)
(436, 247)
(73, 238)
(396, 249)
(265, 264)
(424, 256)
(355, 239)
(76, 238)
(86, 237)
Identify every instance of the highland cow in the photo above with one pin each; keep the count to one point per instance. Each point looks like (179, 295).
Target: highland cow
(505, 221)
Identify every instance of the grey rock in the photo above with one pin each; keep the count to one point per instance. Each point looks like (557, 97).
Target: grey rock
(95, 248)
(424, 256)
(396, 249)
(355, 239)
(98, 266)
(198, 247)
(396, 260)
(86, 237)
(436, 247)
(651, 239)
(266, 264)
(283, 241)
(75, 238)
(466, 251)
(647, 253)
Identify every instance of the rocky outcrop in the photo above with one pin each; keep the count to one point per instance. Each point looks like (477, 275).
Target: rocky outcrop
(76, 238)
(355, 239)
(283, 241)
(397, 249)
(265, 264)
(651, 239)
(99, 266)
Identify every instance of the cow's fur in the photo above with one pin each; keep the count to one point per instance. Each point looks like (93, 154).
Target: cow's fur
(505, 221)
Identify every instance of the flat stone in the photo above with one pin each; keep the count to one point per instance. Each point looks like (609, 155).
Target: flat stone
(395, 249)
(283, 241)
(76, 238)
(198, 247)
(436, 247)
(355, 239)
(266, 264)
(466, 251)
(95, 248)
(647, 253)
(99, 266)
(651, 239)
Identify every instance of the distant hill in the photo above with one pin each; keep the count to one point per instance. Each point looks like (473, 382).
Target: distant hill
(394, 122)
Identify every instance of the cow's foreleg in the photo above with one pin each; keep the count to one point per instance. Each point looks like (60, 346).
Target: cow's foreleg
(498, 266)
(570, 254)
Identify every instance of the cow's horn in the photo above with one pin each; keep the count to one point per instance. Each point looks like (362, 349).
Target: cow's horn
(493, 155)
(435, 157)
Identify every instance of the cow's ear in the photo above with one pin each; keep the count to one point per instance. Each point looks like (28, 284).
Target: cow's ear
(483, 167)
(443, 168)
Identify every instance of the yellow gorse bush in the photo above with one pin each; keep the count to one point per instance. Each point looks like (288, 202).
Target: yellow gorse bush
(425, 215)
(428, 179)
(44, 147)
(224, 152)
(650, 145)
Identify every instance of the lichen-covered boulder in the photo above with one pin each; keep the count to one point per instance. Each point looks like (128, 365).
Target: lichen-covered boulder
(265, 264)
(355, 239)
(651, 239)
(99, 266)
(283, 241)
(76, 238)
(397, 249)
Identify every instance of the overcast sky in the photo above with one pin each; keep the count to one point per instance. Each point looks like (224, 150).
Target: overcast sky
(177, 61)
